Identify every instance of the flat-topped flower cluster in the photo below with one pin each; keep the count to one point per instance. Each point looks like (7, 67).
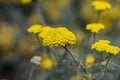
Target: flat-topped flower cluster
(50, 37)
(104, 46)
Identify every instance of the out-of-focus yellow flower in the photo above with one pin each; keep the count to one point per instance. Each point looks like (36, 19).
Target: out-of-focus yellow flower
(53, 11)
(46, 63)
(7, 40)
(89, 59)
(7, 35)
(35, 28)
(100, 45)
(95, 27)
(26, 1)
(77, 77)
(57, 37)
(114, 50)
(101, 5)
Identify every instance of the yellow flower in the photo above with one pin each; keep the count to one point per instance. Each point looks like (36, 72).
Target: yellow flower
(89, 59)
(46, 63)
(95, 27)
(100, 45)
(101, 5)
(104, 45)
(26, 1)
(57, 37)
(114, 50)
(35, 28)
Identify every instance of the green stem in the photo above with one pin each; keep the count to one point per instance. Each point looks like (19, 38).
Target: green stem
(38, 40)
(40, 45)
(31, 73)
(75, 59)
(104, 74)
(94, 37)
(98, 17)
(71, 54)
(40, 14)
(96, 21)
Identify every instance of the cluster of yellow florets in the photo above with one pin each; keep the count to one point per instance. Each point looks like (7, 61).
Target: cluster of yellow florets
(104, 45)
(57, 37)
(101, 5)
(95, 27)
(50, 37)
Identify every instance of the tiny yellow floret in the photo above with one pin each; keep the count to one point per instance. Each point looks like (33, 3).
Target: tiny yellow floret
(101, 5)
(95, 27)
(35, 29)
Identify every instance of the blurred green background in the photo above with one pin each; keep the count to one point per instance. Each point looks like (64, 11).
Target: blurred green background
(17, 46)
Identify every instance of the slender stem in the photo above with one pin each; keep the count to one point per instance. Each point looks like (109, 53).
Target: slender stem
(40, 13)
(76, 59)
(94, 37)
(89, 38)
(31, 73)
(38, 40)
(96, 21)
(98, 17)
(71, 54)
(39, 43)
(104, 74)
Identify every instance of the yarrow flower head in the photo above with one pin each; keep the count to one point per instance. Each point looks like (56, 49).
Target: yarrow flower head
(50, 37)
(101, 5)
(95, 27)
(36, 60)
(104, 46)
(35, 28)
(57, 37)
